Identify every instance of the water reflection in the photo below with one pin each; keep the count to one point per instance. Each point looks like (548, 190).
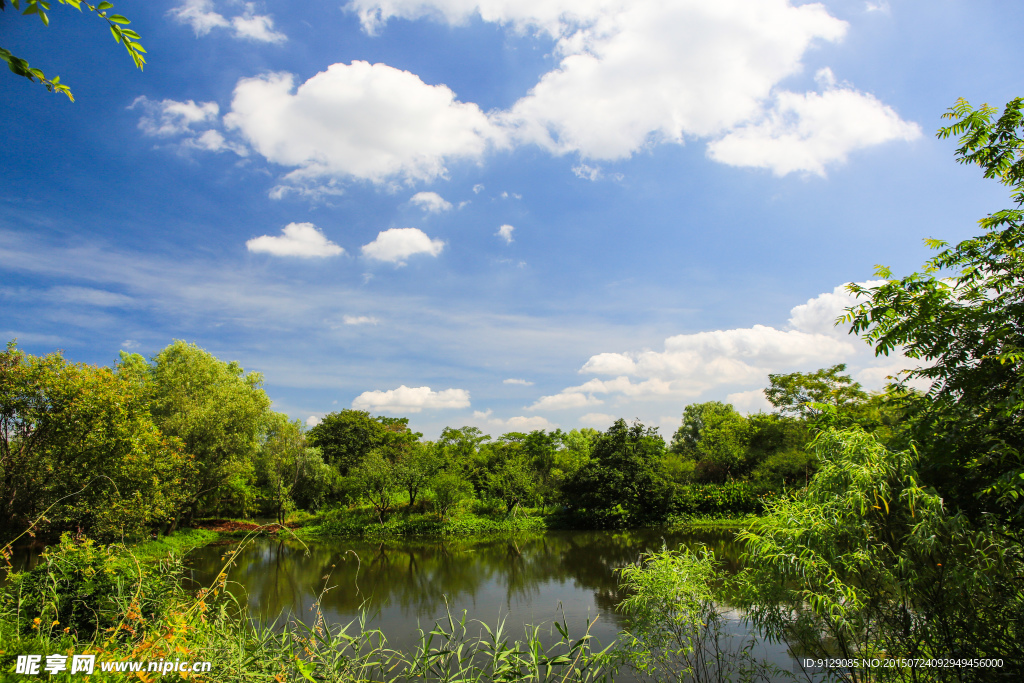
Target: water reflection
(527, 580)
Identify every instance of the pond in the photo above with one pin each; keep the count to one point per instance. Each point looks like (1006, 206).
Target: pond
(408, 583)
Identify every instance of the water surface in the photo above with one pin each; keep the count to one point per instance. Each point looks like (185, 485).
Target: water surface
(404, 583)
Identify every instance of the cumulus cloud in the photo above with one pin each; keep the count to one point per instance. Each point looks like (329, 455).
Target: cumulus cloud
(201, 16)
(690, 365)
(599, 420)
(312, 421)
(519, 423)
(645, 72)
(819, 314)
(521, 382)
(296, 239)
(397, 244)
(505, 233)
(565, 400)
(411, 399)
(359, 121)
(748, 402)
(431, 201)
(807, 131)
(359, 320)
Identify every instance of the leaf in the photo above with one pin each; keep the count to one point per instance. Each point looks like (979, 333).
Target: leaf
(118, 19)
(104, 6)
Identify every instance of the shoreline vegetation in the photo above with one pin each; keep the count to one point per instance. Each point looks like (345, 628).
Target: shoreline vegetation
(884, 525)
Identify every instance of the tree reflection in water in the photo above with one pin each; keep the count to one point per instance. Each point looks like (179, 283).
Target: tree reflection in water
(407, 582)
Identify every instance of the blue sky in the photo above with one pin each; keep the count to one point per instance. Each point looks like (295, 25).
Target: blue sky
(513, 215)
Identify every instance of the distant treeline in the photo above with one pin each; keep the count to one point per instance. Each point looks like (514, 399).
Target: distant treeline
(148, 445)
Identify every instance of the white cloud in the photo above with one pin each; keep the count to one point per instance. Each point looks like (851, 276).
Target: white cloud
(130, 344)
(478, 188)
(819, 314)
(296, 239)
(259, 28)
(359, 320)
(719, 360)
(609, 364)
(170, 118)
(521, 382)
(431, 201)
(200, 15)
(397, 244)
(519, 423)
(748, 402)
(88, 296)
(565, 400)
(166, 118)
(637, 73)
(312, 421)
(316, 191)
(505, 232)
(411, 399)
(805, 132)
(587, 172)
(599, 420)
(363, 121)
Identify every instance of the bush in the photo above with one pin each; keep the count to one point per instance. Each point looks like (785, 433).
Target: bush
(80, 588)
(730, 498)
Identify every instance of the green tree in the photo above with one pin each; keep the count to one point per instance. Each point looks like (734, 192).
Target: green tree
(217, 411)
(466, 451)
(795, 393)
(78, 443)
(347, 436)
(375, 480)
(512, 482)
(416, 466)
(624, 482)
(290, 473)
(962, 317)
(715, 437)
(118, 29)
(867, 562)
(449, 489)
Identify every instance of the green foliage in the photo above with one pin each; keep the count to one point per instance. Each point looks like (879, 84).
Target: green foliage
(118, 29)
(717, 500)
(289, 473)
(346, 437)
(82, 588)
(677, 631)
(715, 437)
(217, 411)
(449, 489)
(77, 444)
(416, 466)
(624, 482)
(866, 562)
(795, 393)
(375, 480)
(963, 317)
(512, 482)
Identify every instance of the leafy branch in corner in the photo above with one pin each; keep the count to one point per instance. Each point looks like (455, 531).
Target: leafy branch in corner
(116, 22)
